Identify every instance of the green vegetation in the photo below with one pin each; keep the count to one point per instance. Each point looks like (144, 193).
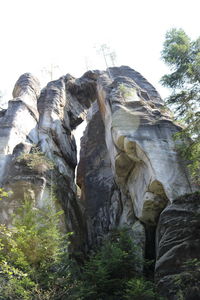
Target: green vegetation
(126, 92)
(33, 255)
(3, 194)
(35, 264)
(182, 55)
(36, 161)
(114, 272)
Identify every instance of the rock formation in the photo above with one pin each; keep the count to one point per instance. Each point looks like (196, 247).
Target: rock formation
(139, 138)
(18, 132)
(178, 238)
(129, 171)
(100, 196)
(43, 121)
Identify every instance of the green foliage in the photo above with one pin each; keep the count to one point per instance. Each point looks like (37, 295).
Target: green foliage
(126, 92)
(15, 284)
(140, 289)
(183, 57)
(3, 194)
(113, 272)
(36, 161)
(34, 263)
(33, 255)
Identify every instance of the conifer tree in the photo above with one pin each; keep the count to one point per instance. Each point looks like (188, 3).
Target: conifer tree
(182, 55)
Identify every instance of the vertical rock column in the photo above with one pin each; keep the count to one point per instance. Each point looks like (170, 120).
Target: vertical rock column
(139, 138)
(18, 133)
(59, 112)
(62, 106)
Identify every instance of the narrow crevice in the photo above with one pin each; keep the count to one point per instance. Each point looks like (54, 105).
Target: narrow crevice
(150, 251)
(78, 134)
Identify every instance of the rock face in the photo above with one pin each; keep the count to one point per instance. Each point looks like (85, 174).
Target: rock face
(129, 171)
(62, 106)
(18, 132)
(36, 123)
(178, 237)
(128, 154)
(12, 121)
(139, 140)
(100, 197)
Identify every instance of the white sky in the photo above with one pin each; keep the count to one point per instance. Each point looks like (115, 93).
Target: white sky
(37, 33)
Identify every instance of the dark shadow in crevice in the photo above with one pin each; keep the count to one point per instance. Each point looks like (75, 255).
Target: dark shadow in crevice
(150, 251)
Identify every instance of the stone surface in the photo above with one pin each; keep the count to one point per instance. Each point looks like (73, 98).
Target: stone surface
(18, 124)
(43, 122)
(105, 205)
(100, 197)
(18, 134)
(129, 169)
(139, 138)
(60, 111)
(178, 237)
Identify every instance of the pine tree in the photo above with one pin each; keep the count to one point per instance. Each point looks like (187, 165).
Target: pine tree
(182, 55)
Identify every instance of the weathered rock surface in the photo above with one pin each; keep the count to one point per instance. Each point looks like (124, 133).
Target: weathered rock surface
(129, 169)
(100, 197)
(18, 132)
(139, 140)
(61, 107)
(177, 269)
(105, 206)
(44, 122)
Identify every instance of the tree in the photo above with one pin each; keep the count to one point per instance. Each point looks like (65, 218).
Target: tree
(113, 272)
(34, 259)
(182, 55)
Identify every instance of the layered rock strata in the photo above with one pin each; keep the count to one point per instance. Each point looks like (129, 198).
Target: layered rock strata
(177, 269)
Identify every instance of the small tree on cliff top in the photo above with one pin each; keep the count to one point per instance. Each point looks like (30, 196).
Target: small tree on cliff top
(182, 55)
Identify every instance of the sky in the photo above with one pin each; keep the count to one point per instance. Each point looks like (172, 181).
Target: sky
(66, 34)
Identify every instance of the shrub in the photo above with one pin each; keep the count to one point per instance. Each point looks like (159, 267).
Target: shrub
(33, 255)
(111, 273)
(3, 194)
(36, 161)
(140, 289)
(34, 263)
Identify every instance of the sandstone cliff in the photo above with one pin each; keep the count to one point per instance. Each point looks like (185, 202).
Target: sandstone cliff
(129, 173)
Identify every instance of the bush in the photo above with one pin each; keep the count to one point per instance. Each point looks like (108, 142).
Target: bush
(34, 263)
(112, 273)
(140, 289)
(36, 161)
(33, 255)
